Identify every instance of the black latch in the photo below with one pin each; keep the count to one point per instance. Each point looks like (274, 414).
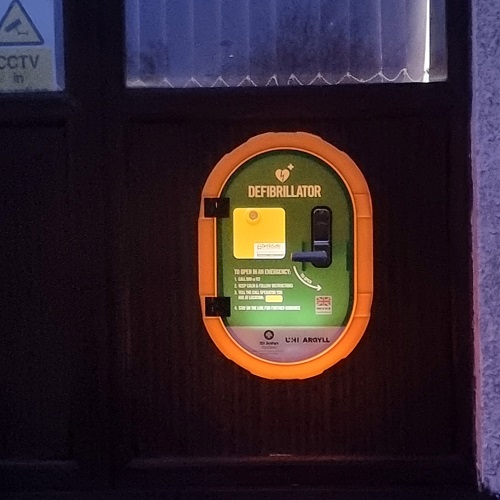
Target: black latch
(216, 207)
(218, 306)
(321, 236)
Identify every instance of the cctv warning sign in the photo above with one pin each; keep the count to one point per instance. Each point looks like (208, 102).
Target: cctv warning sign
(26, 63)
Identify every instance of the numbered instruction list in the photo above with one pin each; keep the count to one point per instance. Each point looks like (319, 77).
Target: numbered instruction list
(263, 289)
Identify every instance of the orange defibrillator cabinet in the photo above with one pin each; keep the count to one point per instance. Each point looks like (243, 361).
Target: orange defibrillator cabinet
(285, 255)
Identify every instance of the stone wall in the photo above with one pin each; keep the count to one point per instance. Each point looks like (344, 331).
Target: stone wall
(485, 128)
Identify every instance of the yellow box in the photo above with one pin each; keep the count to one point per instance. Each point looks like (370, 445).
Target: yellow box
(259, 233)
(274, 298)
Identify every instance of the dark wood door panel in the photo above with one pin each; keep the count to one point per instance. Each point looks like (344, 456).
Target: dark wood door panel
(51, 285)
(392, 396)
(52, 295)
(37, 290)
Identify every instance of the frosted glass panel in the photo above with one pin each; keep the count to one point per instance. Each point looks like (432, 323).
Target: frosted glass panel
(231, 43)
(31, 45)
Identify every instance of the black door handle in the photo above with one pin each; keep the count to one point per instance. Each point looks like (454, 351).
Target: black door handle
(321, 237)
(319, 259)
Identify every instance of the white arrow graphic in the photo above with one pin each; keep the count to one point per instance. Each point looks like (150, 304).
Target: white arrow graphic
(306, 281)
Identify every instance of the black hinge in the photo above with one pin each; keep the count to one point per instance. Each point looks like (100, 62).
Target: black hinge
(216, 207)
(218, 306)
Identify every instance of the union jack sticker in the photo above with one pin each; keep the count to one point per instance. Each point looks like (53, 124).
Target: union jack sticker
(323, 304)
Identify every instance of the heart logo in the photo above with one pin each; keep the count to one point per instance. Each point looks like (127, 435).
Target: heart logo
(282, 175)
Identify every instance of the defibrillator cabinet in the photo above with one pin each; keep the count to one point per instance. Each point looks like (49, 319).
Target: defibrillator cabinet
(285, 255)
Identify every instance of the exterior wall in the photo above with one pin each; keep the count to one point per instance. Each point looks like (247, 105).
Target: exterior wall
(486, 230)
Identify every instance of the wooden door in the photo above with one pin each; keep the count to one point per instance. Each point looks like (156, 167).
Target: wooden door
(52, 266)
(109, 377)
(399, 407)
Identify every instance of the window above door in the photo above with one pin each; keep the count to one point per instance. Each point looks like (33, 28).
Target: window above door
(260, 43)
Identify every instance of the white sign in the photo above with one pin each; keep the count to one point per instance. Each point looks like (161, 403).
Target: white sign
(27, 45)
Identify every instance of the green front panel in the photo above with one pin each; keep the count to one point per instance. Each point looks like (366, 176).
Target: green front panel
(270, 290)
